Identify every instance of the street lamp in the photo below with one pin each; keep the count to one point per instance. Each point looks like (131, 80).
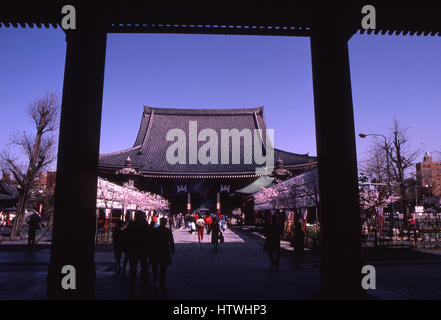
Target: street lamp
(364, 135)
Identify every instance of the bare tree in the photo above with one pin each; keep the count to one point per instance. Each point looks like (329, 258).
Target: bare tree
(310, 191)
(291, 197)
(401, 159)
(375, 166)
(374, 173)
(39, 151)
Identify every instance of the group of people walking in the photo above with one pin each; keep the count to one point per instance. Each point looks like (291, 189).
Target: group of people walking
(146, 243)
(149, 245)
(189, 220)
(213, 224)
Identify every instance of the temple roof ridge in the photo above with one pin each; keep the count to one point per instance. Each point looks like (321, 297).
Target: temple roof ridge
(119, 152)
(293, 153)
(202, 112)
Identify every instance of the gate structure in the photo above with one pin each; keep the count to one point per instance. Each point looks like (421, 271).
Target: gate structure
(329, 28)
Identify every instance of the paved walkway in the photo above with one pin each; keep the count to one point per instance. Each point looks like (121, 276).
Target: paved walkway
(239, 270)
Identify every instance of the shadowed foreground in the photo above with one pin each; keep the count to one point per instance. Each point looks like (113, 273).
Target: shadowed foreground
(239, 270)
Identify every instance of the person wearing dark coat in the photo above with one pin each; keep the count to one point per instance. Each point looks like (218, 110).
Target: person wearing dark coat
(163, 245)
(123, 246)
(138, 245)
(119, 233)
(273, 231)
(117, 245)
(33, 225)
(215, 233)
(170, 222)
(299, 237)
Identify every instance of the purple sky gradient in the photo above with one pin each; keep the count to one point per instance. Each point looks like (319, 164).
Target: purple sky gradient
(392, 77)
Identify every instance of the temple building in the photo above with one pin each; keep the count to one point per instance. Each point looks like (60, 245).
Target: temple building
(201, 158)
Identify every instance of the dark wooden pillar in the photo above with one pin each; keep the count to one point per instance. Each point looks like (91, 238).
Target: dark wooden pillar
(337, 165)
(78, 150)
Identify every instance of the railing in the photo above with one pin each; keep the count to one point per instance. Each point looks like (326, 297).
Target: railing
(429, 233)
(423, 234)
(103, 236)
(378, 233)
(312, 237)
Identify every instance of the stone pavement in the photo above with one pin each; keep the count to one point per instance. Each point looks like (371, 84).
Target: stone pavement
(239, 270)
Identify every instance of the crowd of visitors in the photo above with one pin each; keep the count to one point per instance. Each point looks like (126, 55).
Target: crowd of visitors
(147, 241)
(144, 243)
(213, 224)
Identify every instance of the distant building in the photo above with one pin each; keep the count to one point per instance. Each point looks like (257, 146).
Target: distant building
(429, 174)
(45, 182)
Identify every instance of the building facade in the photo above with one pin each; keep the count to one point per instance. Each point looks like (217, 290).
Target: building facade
(199, 158)
(429, 174)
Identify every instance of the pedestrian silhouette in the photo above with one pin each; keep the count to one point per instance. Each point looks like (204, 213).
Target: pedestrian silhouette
(33, 225)
(163, 245)
(299, 238)
(138, 242)
(123, 244)
(117, 245)
(215, 233)
(273, 231)
(171, 220)
(119, 233)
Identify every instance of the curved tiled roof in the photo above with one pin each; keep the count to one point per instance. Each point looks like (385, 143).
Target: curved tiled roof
(148, 154)
(7, 192)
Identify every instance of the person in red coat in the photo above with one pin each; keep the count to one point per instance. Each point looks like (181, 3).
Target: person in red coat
(200, 225)
(208, 221)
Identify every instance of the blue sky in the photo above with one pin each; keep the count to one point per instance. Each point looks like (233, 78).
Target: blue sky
(392, 77)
